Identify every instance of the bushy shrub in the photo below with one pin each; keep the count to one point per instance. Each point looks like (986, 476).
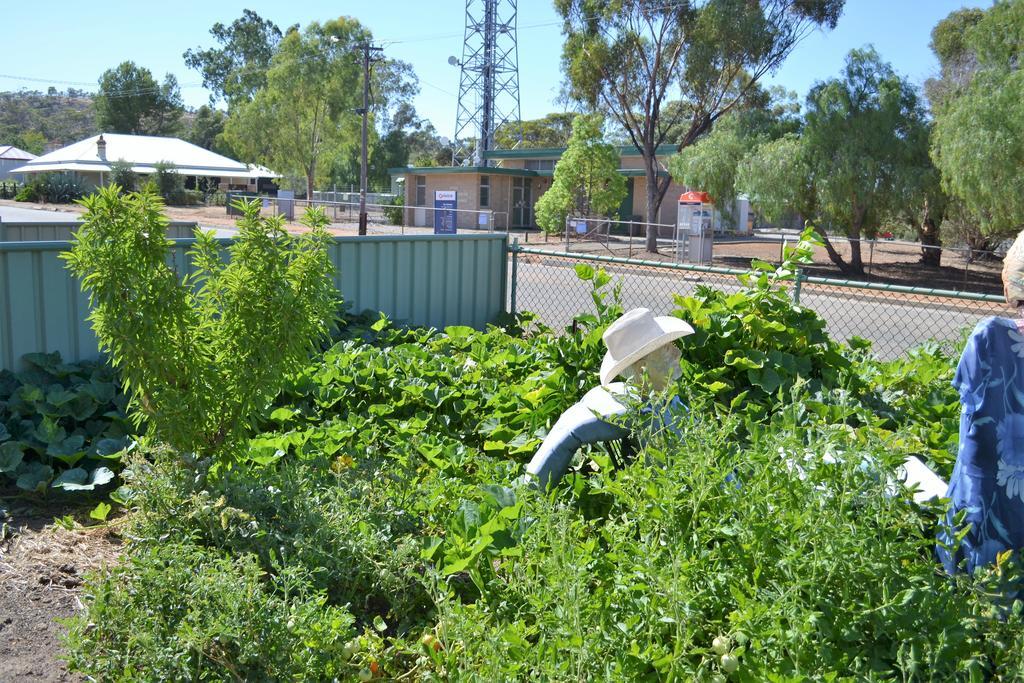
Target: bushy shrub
(169, 183)
(394, 212)
(122, 175)
(192, 198)
(199, 356)
(178, 611)
(62, 188)
(55, 188)
(30, 192)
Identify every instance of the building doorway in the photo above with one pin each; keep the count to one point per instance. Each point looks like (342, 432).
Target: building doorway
(522, 203)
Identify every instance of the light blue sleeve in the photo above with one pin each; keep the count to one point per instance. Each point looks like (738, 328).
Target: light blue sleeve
(972, 372)
(576, 426)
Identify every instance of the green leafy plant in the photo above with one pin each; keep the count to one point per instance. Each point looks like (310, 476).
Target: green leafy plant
(753, 346)
(221, 614)
(201, 356)
(56, 188)
(586, 181)
(381, 476)
(62, 425)
(766, 540)
(169, 183)
(394, 212)
(122, 175)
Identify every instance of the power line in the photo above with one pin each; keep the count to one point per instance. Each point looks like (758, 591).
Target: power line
(112, 94)
(546, 24)
(385, 43)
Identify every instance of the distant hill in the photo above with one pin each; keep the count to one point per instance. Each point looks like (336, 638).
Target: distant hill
(36, 121)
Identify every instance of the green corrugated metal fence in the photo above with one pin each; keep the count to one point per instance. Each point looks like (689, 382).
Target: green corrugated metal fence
(430, 280)
(63, 231)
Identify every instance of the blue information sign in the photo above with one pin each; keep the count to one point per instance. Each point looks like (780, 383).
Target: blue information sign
(444, 212)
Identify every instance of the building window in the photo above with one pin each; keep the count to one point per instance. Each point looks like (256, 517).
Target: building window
(421, 190)
(540, 164)
(485, 191)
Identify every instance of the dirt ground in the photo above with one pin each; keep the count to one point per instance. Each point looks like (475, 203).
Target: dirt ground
(887, 262)
(42, 566)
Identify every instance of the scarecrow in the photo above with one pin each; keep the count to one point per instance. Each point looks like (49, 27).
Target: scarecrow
(641, 350)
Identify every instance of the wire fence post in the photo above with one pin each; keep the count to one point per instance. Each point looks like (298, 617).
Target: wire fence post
(567, 234)
(796, 287)
(515, 275)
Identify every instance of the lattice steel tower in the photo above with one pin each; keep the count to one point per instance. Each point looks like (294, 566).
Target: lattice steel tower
(489, 83)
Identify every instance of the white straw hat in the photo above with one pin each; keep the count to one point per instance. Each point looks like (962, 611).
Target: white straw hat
(1013, 272)
(634, 335)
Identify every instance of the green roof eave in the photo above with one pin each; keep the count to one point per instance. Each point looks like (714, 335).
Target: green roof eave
(556, 152)
(492, 170)
(631, 151)
(535, 153)
(628, 172)
(639, 173)
(485, 170)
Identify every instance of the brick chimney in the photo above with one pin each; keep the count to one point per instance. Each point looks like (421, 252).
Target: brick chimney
(101, 148)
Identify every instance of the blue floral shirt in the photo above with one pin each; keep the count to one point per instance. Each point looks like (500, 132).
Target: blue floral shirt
(988, 478)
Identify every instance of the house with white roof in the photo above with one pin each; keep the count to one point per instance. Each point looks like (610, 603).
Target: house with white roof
(89, 161)
(11, 158)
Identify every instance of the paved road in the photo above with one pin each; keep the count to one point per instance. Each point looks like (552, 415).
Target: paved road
(16, 214)
(550, 288)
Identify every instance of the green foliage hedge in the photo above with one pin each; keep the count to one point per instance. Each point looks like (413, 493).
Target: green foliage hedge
(55, 188)
(767, 541)
(371, 526)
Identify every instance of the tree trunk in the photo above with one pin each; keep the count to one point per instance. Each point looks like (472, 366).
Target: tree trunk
(931, 243)
(856, 265)
(653, 204)
(309, 185)
(833, 255)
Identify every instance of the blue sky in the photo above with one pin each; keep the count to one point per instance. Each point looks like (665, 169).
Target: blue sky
(72, 43)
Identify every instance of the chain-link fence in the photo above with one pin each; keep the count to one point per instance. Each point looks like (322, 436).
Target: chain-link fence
(959, 268)
(387, 219)
(894, 318)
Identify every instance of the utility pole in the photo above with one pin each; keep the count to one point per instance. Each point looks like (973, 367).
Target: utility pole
(365, 111)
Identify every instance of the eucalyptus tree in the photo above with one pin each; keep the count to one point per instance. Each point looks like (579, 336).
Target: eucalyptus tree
(711, 163)
(586, 181)
(858, 160)
(305, 115)
(236, 70)
(630, 58)
(552, 130)
(978, 143)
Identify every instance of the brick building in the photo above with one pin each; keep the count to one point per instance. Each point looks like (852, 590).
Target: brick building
(507, 191)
